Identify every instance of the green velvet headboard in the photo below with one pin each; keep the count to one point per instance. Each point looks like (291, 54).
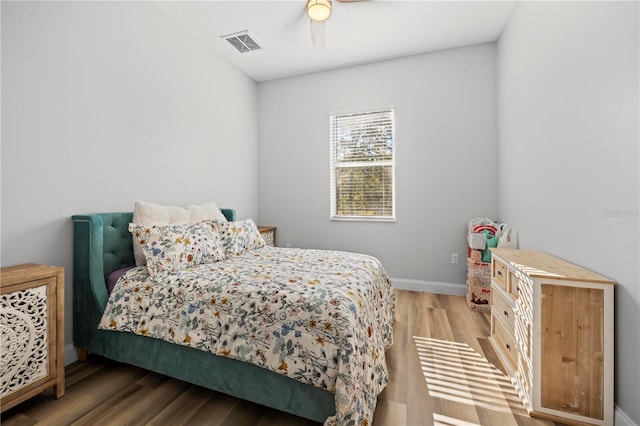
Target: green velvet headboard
(110, 247)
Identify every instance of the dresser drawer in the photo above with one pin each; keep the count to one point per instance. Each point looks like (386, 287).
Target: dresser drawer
(503, 309)
(504, 341)
(514, 286)
(499, 273)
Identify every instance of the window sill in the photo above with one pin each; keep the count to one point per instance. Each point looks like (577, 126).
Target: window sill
(361, 219)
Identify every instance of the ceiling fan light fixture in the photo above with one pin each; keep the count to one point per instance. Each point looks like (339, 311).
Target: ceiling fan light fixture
(319, 10)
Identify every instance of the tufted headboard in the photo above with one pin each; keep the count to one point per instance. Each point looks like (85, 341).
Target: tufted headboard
(102, 244)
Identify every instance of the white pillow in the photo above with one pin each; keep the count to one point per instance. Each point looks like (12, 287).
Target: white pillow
(145, 213)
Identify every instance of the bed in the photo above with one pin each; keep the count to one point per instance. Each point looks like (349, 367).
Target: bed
(276, 370)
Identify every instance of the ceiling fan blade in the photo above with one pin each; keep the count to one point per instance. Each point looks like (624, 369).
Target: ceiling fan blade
(318, 34)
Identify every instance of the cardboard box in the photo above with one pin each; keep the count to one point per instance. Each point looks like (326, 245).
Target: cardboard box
(479, 293)
(478, 269)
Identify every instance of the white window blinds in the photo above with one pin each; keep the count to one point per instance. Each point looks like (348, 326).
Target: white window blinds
(362, 165)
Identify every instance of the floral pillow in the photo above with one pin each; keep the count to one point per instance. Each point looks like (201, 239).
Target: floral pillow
(146, 213)
(240, 236)
(171, 248)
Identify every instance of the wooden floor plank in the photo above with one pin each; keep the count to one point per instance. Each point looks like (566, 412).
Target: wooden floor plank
(214, 411)
(84, 396)
(440, 354)
(245, 413)
(100, 412)
(140, 407)
(19, 420)
(390, 413)
(419, 405)
(278, 418)
(182, 408)
(79, 371)
(442, 372)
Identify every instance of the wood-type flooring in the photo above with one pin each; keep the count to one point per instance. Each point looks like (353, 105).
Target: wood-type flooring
(442, 372)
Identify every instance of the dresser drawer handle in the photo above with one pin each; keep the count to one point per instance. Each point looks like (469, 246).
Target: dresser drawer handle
(506, 314)
(499, 273)
(508, 346)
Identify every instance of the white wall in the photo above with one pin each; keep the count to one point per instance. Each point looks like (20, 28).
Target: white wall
(569, 150)
(446, 157)
(106, 103)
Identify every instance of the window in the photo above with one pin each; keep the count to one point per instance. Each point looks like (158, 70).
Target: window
(362, 166)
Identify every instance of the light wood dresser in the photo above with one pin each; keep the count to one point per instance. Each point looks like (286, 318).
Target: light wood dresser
(31, 332)
(552, 327)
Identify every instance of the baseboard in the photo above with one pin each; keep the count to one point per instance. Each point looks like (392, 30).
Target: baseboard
(622, 419)
(430, 286)
(70, 354)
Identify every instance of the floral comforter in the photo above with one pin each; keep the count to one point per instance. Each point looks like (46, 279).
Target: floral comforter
(321, 317)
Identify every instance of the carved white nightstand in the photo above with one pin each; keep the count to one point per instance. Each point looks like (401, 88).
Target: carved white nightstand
(31, 332)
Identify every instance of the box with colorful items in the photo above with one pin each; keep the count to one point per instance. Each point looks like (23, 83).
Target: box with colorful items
(482, 235)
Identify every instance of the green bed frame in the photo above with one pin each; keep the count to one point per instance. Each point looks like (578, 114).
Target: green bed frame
(103, 244)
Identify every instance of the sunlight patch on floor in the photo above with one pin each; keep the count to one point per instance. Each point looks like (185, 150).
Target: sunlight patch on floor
(457, 374)
(441, 420)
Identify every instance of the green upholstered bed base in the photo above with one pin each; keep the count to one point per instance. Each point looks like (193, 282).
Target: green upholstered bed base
(102, 244)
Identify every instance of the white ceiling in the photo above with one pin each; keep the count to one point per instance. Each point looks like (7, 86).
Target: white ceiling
(357, 32)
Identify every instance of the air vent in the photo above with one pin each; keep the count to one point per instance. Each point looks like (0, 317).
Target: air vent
(243, 41)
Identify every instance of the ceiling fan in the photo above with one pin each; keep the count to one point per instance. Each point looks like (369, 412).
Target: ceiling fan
(319, 11)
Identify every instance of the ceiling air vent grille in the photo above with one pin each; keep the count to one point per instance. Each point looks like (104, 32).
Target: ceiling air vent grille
(243, 42)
